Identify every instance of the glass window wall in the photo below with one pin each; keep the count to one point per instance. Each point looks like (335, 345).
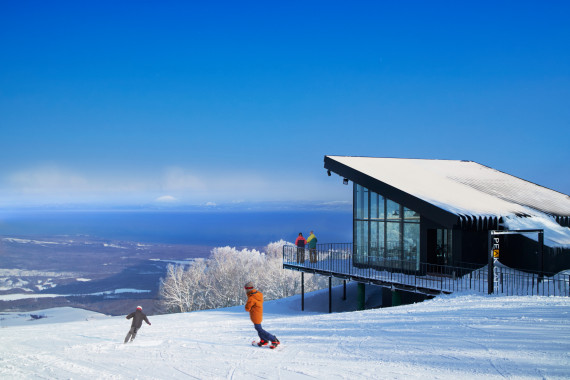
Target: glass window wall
(361, 245)
(361, 202)
(387, 234)
(392, 211)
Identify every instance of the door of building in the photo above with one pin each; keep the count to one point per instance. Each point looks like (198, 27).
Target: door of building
(439, 246)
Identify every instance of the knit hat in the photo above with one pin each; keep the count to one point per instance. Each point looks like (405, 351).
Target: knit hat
(249, 286)
(139, 307)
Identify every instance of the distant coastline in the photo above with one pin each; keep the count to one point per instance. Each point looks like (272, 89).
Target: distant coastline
(214, 228)
(54, 258)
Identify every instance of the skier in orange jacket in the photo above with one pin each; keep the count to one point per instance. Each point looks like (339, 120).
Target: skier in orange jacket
(254, 305)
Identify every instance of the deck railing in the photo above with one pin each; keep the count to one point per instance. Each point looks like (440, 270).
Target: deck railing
(337, 260)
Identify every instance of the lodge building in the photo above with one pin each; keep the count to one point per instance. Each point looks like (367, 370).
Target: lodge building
(413, 215)
(440, 212)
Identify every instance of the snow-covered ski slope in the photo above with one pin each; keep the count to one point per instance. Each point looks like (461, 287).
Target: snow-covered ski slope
(450, 337)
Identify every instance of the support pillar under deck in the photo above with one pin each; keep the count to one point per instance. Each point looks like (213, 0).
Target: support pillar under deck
(361, 301)
(302, 291)
(330, 294)
(396, 298)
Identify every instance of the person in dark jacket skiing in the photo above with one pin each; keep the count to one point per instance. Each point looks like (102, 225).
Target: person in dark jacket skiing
(254, 305)
(138, 317)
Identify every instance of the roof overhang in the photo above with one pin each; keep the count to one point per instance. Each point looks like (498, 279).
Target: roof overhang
(432, 212)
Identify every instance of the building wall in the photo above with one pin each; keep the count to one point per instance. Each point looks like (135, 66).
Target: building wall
(387, 234)
(473, 246)
(522, 252)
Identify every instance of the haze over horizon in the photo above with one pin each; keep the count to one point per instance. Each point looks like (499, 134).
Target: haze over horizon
(185, 104)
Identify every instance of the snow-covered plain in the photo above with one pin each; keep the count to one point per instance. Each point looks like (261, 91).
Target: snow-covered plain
(449, 337)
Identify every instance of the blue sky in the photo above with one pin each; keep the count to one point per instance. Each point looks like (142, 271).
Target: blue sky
(224, 102)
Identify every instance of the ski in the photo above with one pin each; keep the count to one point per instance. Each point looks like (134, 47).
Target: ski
(268, 345)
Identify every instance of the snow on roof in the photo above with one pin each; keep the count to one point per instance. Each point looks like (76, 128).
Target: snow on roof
(555, 235)
(467, 188)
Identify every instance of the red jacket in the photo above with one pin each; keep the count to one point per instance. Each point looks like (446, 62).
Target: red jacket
(254, 305)
(300, 242)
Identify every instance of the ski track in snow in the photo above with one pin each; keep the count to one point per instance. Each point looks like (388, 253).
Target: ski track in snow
(452, 337)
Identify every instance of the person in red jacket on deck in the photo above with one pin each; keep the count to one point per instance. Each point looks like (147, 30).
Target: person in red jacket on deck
(254, 305)
(300, 243)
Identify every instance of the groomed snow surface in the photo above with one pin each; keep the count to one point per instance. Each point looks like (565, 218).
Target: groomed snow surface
(449, 337)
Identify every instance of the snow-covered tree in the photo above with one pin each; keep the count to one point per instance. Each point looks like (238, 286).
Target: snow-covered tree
(228, 270)
(182, 291)
(218, 281)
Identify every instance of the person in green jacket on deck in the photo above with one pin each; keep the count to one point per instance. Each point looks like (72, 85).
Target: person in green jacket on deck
(312, 242)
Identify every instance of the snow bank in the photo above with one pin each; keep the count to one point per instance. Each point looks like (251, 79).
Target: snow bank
(450, 337)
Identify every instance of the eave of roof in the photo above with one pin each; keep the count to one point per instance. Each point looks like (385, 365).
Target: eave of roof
(447, 189)
(435, 213)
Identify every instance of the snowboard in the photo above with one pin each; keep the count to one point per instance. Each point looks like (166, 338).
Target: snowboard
(254, 343)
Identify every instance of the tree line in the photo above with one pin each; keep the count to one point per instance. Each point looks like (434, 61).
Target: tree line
(218, 281)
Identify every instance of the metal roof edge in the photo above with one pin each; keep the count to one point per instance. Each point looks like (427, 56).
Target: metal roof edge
(425, 208)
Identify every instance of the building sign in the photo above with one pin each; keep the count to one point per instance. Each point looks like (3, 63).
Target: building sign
(495, 259)
(496, 248)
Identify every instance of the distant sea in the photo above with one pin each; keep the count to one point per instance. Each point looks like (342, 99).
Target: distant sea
(239, 229)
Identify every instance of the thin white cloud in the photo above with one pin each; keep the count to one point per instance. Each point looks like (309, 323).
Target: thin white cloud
(46, 178)
(179, 179)
(166, 199)
(58, 184)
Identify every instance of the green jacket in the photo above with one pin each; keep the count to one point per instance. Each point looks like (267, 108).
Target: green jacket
(312, 241)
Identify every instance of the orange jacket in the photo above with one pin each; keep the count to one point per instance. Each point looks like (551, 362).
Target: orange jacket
(254, 305)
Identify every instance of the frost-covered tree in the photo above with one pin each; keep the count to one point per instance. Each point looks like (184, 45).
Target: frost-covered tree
(218, 281)
(182, 291)
(228, 270)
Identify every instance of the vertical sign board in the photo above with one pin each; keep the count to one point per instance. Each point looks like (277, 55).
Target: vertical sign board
(495, 259)
(490, 279)
(493, 274)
